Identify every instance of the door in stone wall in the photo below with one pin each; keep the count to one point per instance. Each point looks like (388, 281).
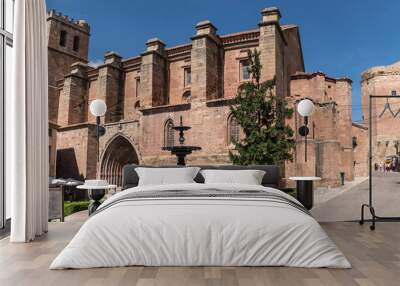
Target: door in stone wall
(118, 153)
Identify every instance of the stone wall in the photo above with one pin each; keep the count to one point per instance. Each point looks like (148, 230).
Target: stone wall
(209, 130)
(205, 63)
(60, 58)
(360, 138)
(131, 95)
(153, 81)
(52, 148)
(379, 81)
(330, 149)
(73, 99)
(176, 81)
(76, 152)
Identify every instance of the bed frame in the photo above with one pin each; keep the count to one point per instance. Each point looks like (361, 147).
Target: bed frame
(271, 178)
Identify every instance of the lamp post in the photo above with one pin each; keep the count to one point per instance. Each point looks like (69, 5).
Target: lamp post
(98, 108)
(305, 108)
(96, 188)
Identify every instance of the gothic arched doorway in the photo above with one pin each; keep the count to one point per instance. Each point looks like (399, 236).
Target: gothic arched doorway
(117, 154)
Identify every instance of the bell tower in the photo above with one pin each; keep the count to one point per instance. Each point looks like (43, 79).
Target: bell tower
(68, 43)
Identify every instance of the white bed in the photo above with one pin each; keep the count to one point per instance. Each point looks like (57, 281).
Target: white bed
(202, 231)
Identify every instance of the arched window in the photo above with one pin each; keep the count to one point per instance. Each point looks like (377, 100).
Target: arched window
(137, 105)
(169, 133)
(233, 130)
(186, 96)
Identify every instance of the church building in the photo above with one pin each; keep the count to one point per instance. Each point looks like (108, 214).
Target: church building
(147, 94)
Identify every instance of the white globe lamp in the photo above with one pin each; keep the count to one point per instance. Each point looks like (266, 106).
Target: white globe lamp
(98, 107)
(305, 107)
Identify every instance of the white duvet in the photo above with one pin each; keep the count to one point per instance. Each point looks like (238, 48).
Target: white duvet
(200, 231)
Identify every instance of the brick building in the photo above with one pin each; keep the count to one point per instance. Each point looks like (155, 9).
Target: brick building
(146, 95)
(382, 80)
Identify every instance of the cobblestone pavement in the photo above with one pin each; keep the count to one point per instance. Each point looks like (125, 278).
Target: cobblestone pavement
(347, 205)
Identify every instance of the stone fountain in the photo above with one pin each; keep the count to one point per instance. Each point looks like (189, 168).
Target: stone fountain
(181, 151)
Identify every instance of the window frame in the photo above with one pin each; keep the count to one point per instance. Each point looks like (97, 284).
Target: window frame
(137, 87)
(6, 39)
(169, 140)
(63, 38)
(76, 44)
(230, 133)
(187, 77)
(241, 70)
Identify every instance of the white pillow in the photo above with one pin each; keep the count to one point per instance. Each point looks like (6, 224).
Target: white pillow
(248, 177)
(166, 176)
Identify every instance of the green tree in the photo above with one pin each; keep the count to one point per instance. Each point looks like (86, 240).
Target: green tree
(262, 116)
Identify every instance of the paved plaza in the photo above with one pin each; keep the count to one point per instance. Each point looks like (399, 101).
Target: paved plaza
(346, 205)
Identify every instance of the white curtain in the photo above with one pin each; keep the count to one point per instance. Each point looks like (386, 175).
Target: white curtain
(27, 124)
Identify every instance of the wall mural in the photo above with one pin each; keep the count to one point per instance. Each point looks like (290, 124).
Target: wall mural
(203, 84)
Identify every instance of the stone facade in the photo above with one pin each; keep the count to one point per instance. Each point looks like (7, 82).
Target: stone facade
(330, 148)
(197, 81)
(76, 151)
(360, 145)
(62, 53)
(52, 148)
(378, 81)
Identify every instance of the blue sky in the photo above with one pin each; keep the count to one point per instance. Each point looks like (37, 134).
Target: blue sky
(340, 38)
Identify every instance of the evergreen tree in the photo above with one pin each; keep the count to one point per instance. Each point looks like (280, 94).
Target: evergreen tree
(261, 115)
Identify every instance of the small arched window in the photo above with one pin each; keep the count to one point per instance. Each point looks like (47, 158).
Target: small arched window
(186, 96)
(76, 43)
(63, 38)
(137, 105)
(354, 142)
(169, 133)
(233, 130)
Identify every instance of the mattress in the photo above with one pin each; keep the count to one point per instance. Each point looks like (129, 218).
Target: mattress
(201, 225)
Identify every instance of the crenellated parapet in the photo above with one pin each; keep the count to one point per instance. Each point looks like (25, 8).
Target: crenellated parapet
(65, 19)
